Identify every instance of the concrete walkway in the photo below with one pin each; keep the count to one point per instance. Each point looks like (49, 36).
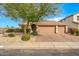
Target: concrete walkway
(41, 49)
(42, 45)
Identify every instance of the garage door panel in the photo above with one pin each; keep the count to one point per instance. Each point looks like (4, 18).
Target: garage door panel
(46, 30)
(61, 29)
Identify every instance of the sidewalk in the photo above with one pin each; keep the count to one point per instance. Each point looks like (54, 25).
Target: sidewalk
(42, 45)
(40, 49)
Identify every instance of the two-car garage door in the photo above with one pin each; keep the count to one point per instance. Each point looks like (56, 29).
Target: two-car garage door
(50, 29)
(46, 29)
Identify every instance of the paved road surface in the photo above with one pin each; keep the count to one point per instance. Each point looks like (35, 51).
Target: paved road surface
(41, 52)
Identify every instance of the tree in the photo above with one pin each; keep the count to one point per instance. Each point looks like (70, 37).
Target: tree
(29, 12)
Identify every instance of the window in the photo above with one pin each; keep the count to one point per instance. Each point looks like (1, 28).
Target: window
(77, 18)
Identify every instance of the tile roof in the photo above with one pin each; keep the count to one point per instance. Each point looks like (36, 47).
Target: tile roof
(49, 23)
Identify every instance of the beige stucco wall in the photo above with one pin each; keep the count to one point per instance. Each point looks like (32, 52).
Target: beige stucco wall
(75, 17)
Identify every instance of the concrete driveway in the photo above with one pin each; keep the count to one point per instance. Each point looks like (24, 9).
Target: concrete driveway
(45, 37)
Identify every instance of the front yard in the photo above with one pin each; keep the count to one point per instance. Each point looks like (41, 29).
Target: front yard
(40, 38)
(50, 38)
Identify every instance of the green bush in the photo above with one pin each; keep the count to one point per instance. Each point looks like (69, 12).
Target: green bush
(22, 30)
(25, 37)
(10, 30)
(11, 35)
(77, 32)
(19, 30)
(34, 33)
(27, 30)
(34, 27)
(72, 30)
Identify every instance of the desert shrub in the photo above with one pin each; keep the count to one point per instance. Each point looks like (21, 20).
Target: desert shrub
(28, 30)
(11, 35)
(72, 30)
(34, 33)
(10, 30)
(25, 37)
(33, 27)
(19, 30)
(77, 32)
(22, 30)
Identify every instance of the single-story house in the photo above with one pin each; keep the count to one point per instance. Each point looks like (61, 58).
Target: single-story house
(72, 21)
(2, 30)
(51, 27)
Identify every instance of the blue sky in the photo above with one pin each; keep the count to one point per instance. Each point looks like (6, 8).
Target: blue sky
(66, 9)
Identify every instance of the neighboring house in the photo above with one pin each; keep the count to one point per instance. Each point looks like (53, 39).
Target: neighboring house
(72, 21)
(51, 27)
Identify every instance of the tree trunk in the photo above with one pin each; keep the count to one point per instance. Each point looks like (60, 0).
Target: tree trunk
(26, 27)
(24, 30)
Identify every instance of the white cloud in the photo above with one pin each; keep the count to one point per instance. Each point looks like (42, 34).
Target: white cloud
(55, 19)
